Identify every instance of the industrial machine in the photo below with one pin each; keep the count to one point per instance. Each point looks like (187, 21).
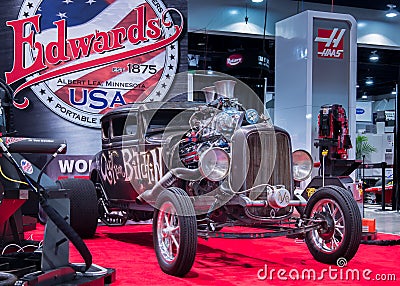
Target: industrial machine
(333, 143)
(45, 263)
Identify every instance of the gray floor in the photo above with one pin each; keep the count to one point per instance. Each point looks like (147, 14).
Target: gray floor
(386, 221)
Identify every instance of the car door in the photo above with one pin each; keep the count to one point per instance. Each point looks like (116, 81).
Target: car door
(119, 157)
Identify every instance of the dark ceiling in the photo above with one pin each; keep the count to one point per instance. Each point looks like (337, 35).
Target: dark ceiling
(214, 50)
(368, 4)
(384, 72)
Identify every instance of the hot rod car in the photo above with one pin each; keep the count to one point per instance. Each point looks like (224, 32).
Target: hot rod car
(198, 168)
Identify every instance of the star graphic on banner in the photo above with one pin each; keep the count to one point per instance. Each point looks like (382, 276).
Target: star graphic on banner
(26, 14)
(42, 91)
(171, 67)
(163, 85)
(172, 47)
(172, 57)
(50, 99)
(30, 5)
(90, 2)
(168, 76)
(62, 15)
(68, 1)
(158, 93)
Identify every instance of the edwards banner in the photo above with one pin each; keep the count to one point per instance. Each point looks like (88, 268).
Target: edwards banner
(71, 61)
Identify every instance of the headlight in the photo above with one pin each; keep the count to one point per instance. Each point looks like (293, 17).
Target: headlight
(252, 116)
(214, 164)
(302, 165)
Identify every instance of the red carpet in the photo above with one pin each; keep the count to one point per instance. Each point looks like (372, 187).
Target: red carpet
(129, 250)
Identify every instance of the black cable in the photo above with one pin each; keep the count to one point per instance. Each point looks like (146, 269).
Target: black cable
(382, 242)
(7, 88)
(7, 279)
(70, 233)
(264, 36)
(205, 51)
(9, 105)
(59, 150)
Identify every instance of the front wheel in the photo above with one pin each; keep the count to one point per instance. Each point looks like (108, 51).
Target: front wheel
(175, 232)
(340, 234)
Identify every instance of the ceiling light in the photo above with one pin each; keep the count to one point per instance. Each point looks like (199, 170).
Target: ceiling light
(374, 57)
(364, 96)
(361, 24)
(394, 91)
(257, 1)
(369, 80)
(392, 12)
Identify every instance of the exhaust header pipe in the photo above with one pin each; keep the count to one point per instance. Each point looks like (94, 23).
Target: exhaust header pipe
(166, 181)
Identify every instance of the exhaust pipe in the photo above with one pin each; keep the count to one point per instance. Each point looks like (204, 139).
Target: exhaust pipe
(264, 204)
(166, 181)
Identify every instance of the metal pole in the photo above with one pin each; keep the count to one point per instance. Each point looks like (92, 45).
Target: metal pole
(363, 168)
(396, 190)
(190, 87)
(324, 154)
(383, 185)
(363, 183)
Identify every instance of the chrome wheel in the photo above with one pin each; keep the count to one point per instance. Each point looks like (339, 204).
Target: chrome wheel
(328, 238)
(168, 232)
(339, 232)
(174, 232)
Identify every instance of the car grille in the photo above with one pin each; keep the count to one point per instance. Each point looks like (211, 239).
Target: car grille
(269, 159)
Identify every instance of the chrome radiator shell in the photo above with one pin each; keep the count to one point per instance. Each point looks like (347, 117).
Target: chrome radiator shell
(261, 155)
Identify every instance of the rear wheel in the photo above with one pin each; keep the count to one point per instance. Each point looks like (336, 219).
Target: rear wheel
(340, 234)
(83, 205)
(175, 232)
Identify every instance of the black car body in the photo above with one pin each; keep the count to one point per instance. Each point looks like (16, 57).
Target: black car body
(196, 168)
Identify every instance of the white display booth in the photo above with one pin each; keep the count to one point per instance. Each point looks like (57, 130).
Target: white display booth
(316, 64)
